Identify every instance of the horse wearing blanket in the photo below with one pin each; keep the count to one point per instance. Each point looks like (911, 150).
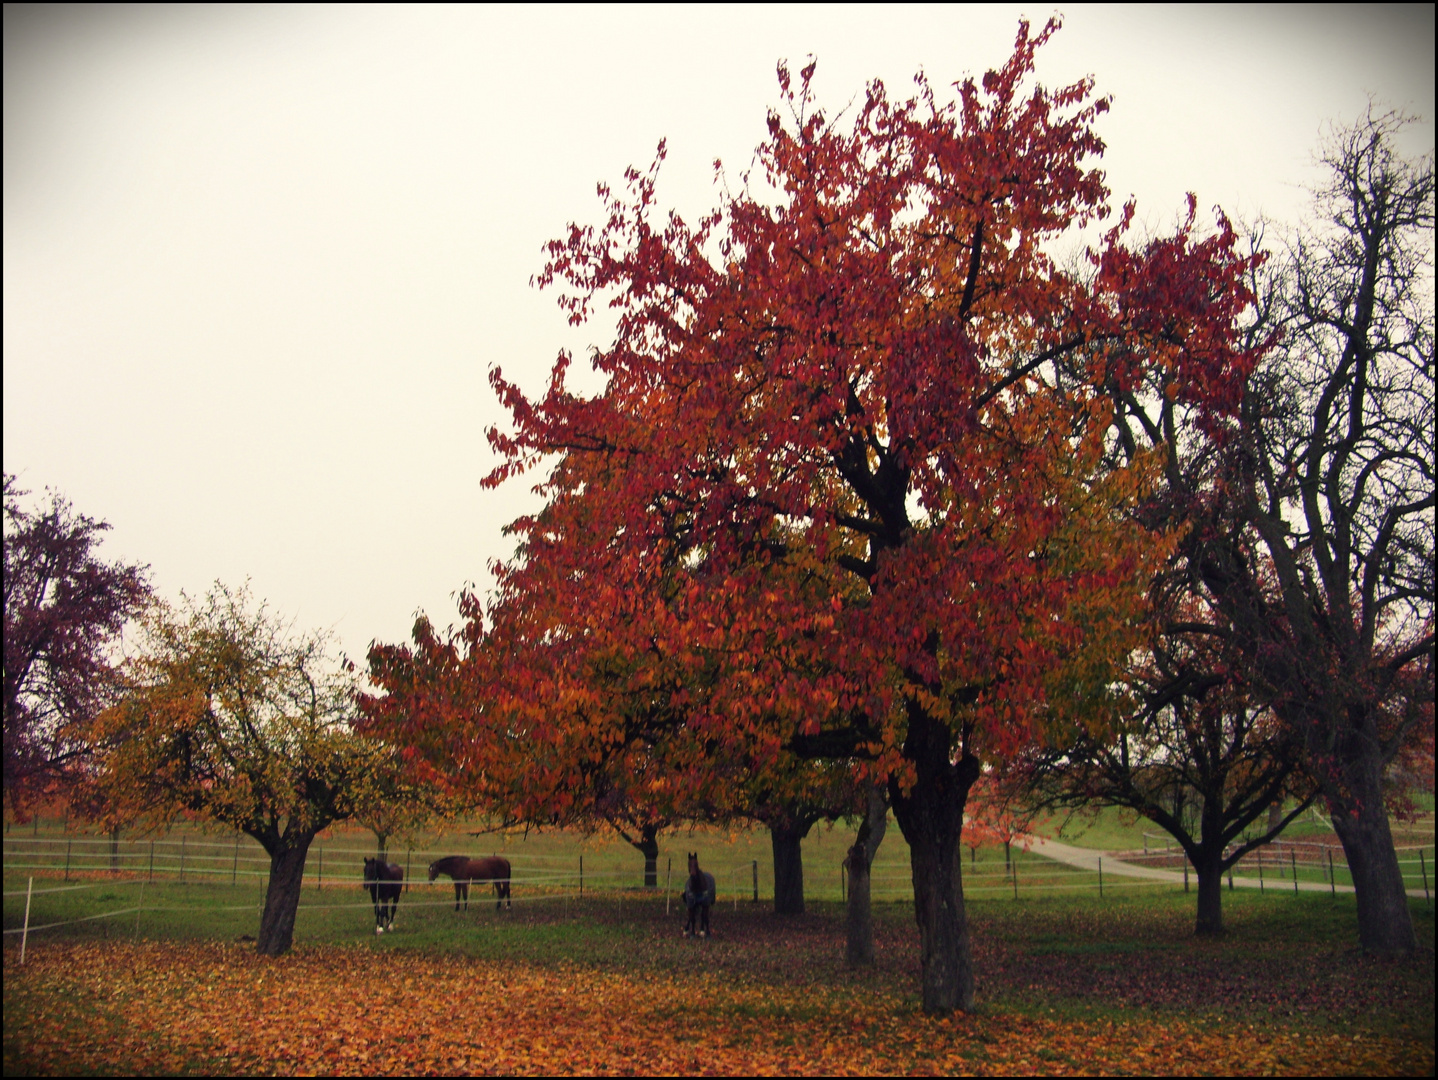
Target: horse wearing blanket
(698, 897)
(385, 881)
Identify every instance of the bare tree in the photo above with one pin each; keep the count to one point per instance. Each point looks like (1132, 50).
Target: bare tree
(1308, 523)
(1335, 468)
(1197, 757)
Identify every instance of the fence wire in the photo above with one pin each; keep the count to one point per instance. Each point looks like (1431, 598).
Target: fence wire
(555, 879)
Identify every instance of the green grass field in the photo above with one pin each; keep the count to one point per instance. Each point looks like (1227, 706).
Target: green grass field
(548, 862)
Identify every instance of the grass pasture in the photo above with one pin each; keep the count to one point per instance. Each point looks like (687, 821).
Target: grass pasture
(1068, 982)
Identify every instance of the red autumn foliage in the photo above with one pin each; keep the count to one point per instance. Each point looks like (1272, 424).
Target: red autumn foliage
(842, 495)
(64, 610)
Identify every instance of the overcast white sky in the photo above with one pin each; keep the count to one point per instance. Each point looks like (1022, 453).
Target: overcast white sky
(259, 261)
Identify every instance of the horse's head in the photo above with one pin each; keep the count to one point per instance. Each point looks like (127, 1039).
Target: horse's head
(371, 872)
(693, 864)
(434, 870)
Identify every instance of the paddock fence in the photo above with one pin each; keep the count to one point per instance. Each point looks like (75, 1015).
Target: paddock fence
(78, 863)
(1285, 862)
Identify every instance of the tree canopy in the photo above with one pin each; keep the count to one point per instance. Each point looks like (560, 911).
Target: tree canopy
(229, 716)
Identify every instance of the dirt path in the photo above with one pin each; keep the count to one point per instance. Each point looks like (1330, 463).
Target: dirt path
(1089, 859)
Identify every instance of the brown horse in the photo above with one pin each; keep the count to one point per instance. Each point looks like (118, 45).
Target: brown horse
(464, 870)
(698, 898)
(385, 882)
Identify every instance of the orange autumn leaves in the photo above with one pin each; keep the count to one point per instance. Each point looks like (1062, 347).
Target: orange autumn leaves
(168, 1008)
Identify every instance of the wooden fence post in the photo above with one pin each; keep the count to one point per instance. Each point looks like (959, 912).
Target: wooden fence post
(756, 881)
(1293, 861)
(25, 933)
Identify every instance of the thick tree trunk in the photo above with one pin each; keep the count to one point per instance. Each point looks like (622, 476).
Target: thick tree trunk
(1209, 867)
(1385, 925)
(931, 817)
(282, 897)
(1207, 859)
(859, 920)
(648, 846)
(786, 839)
(858, 909)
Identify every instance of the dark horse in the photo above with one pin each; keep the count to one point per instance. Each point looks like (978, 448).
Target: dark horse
(698, 897)
(465, 870)
(385, 881)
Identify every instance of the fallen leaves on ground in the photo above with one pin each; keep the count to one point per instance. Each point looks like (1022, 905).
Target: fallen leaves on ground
(211, 1008)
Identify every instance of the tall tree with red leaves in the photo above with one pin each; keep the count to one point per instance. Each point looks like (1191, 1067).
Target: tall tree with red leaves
(837, 465)
(843, 495)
